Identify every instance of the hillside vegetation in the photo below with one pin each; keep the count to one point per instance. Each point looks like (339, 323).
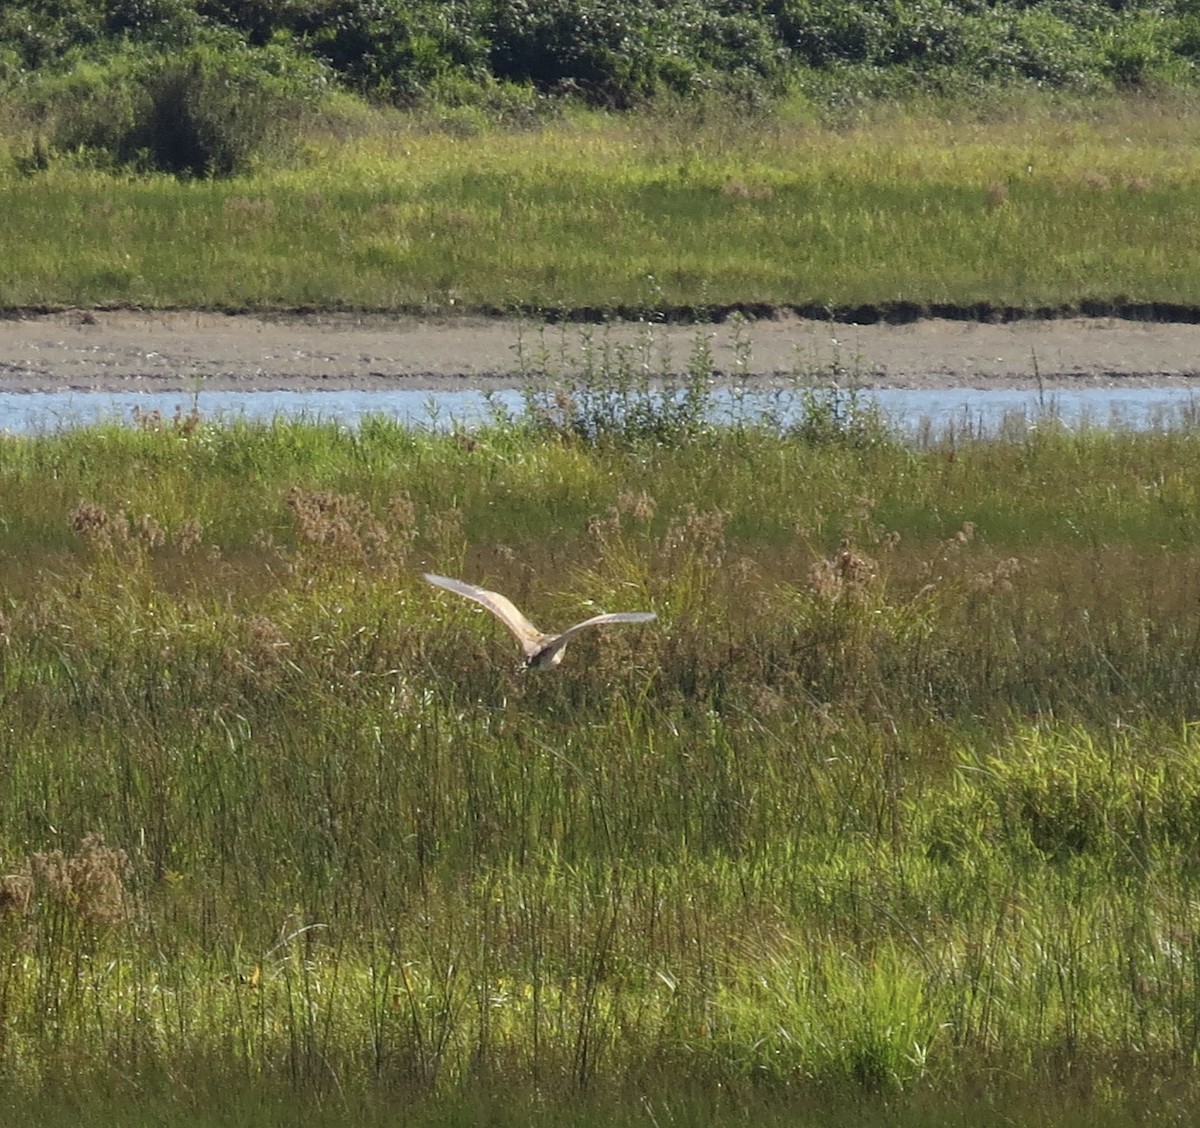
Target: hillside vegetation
(208, 86)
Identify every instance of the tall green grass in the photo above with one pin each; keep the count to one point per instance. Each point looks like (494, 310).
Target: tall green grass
(1035, 209)
(897, 803)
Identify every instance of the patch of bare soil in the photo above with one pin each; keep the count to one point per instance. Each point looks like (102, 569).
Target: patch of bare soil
(128, 350)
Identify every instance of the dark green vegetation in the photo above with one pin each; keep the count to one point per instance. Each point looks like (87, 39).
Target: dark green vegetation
(207, 86)
(894, 812)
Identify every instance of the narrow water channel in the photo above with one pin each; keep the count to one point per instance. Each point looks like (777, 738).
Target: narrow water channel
(963, 409)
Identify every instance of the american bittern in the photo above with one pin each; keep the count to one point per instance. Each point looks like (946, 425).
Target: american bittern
(541, 650)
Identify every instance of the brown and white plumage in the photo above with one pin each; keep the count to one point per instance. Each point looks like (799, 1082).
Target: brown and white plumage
(541, 649)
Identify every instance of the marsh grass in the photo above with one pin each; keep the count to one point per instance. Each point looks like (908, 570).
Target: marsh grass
(898, 794)
(643, 213)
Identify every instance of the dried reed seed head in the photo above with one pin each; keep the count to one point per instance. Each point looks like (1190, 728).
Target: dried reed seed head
(606, 527)
(146, 420)
(96, 525)
(768, 702)
(402, 512)
(16, 890)
(188, 424)
(998, 578)
(338, 521)
(88, 519)
(698, 532)
(91, 881)
(149, 531)
(640, 505)
(189, 534)
(99, 527)
(374, 537)
(848, 575)
(445, 527)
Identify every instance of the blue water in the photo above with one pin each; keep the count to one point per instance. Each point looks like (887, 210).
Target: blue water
(961, 409)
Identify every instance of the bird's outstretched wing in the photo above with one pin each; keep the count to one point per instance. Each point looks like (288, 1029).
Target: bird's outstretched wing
(551, 650)
(530, 638)
(612, 617)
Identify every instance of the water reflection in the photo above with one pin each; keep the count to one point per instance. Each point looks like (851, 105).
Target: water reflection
(961, 409)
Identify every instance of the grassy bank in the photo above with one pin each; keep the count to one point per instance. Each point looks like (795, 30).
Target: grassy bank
(896, 805)
(1037, 206)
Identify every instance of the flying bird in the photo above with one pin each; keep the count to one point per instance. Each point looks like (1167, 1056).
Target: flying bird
(541, 650)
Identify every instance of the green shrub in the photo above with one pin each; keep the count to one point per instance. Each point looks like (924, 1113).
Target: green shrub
(603, 49)
(1048, 50)
(42, 33)
(822, 32)
(391, 49)
(210, 110)
(732, 41)
(1050, 44)
(160, 22)
(92, 108)
(620, 52)
(1134, 52)
(617, 395)
(387, 49)
(214, 112)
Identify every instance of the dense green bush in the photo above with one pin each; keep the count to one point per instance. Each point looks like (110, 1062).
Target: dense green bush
(41, 33)
(46, 33)
(214, 112)
(605, 50)
(211, 109)
(617, 52)
(1054, 44)
(392, 49)
(201, 85)
(89, 110)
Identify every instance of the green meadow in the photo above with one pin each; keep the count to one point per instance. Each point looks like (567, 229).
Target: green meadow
(1018, 202)
(891, 817)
